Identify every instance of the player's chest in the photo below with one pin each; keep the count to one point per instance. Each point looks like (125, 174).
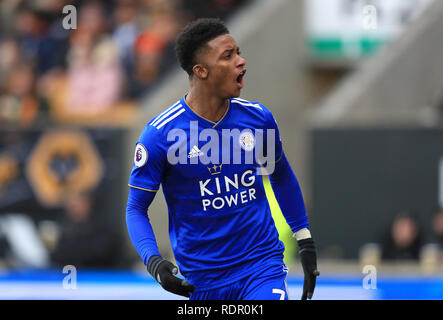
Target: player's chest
(198, 152)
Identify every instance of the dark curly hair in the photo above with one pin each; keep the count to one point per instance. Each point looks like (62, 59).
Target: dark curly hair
(195, 36)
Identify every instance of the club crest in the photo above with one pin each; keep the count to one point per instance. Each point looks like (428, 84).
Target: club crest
(246, 140)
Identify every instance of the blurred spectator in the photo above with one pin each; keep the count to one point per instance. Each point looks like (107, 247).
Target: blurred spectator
(437, 230)
(19, 103)
(85, 240)
(38, 40)
(125, 32)
(95, 77)
(403, 240)
(153, 47)
(9, 56)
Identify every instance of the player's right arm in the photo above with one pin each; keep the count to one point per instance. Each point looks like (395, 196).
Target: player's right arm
(144, 181)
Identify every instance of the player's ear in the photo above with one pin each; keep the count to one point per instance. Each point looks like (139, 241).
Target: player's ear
(200, 71)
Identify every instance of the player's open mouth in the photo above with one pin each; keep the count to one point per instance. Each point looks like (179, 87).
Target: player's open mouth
(240, 78)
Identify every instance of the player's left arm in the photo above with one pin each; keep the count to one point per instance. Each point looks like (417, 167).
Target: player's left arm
(290, 199)
(144, 181)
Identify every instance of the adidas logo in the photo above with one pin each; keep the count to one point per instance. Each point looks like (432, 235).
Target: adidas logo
(195, 152)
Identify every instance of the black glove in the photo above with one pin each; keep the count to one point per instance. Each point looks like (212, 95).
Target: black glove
(164, 272)
(308, 258)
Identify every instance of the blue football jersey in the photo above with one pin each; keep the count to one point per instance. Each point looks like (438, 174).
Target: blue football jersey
(220, 222)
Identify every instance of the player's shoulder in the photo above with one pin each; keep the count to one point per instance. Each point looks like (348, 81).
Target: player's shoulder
(166, 119)
(249, 105)
(253, 108)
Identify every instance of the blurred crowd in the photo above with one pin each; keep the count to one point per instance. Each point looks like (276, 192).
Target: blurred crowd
(406, 239)
(116, 52)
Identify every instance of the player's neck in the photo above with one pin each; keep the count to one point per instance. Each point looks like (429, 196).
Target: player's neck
(207, 106)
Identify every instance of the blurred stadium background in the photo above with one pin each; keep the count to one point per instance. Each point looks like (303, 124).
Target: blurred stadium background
(355, 85)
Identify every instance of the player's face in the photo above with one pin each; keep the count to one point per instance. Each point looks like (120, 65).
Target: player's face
(226, 67)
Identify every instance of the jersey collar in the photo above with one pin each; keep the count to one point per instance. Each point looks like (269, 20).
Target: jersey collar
(208, 122)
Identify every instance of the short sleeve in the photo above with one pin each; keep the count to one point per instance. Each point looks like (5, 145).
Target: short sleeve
(149, 161)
